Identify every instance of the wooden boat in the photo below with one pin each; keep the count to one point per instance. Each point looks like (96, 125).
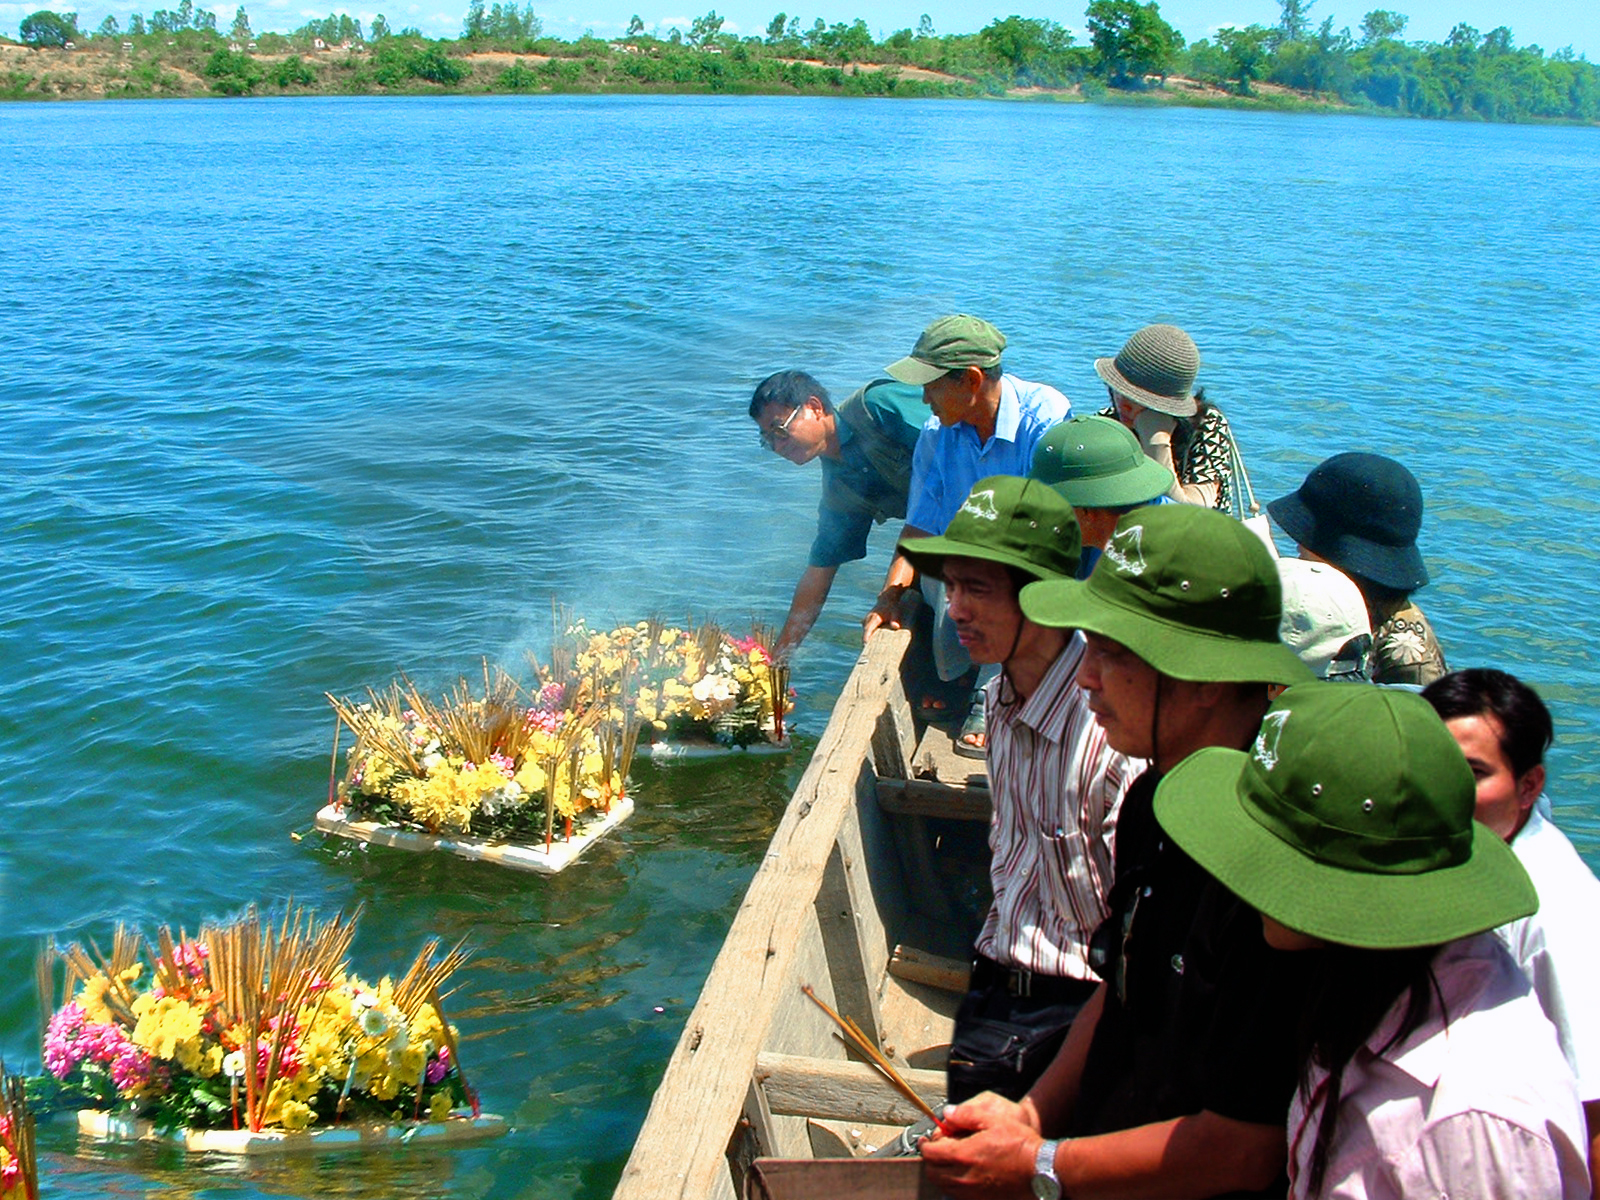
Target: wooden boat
(870, 893)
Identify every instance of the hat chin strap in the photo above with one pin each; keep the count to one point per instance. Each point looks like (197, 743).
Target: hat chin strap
(1016, 640)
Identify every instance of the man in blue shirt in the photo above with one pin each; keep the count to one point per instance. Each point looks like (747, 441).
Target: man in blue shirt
(866, 447)
(988, 424)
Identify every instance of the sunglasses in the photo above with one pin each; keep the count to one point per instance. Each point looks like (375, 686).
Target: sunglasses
(779, 432)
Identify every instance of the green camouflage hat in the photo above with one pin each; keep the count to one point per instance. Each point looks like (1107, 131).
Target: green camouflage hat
(950, 343)
(1189, 590)
(1350, 820)
(1016, 522)
(1096, 462)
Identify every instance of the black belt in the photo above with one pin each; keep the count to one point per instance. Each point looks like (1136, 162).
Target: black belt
(1030, 985)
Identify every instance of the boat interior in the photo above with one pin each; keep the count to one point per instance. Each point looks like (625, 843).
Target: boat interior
(869, 895)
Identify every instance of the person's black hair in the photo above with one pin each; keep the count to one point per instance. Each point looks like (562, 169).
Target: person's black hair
(1525, 722)
(790, 389)
(1349, 993)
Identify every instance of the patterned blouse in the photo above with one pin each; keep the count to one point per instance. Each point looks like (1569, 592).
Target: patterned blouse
(1202, 451)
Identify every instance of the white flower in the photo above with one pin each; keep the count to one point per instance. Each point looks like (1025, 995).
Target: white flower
(233, 1064)
(363, 1000)
(430, 761)
(374, 1022)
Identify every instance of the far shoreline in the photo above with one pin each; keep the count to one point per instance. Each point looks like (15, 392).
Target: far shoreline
(29, 74)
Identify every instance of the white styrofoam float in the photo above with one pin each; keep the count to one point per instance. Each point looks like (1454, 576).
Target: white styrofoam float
(562, 854)
(461, 1126)
(669, 751)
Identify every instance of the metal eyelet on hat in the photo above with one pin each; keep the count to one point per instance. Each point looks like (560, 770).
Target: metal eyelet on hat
(1316, 789)
(1224, 593)
(1366, 805)
(1184, 585)
(1033, 524)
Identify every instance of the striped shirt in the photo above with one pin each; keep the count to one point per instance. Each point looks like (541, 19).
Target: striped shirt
(1057, 786)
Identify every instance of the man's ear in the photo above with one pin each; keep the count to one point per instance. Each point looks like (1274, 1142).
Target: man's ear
(1529, 786)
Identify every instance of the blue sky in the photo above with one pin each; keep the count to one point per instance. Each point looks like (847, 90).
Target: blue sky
(1542, 22)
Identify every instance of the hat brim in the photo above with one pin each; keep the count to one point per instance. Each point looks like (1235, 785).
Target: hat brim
(1397, 567)
(1198, 804)
(928, 554)
(1175, 650)
(1146, 482)
(1173, 406)
(914, 371)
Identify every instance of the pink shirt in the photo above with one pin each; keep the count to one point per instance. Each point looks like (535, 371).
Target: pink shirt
(1484, 1108)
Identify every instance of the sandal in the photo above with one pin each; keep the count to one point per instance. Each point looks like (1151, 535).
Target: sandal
(973, 739)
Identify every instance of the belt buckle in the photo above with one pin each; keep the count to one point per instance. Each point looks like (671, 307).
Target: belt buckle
(1021, 983)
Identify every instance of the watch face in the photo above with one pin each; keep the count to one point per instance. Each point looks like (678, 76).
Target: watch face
(1046, 1188)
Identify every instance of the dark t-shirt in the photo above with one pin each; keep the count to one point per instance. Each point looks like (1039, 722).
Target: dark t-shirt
(1200, 1012)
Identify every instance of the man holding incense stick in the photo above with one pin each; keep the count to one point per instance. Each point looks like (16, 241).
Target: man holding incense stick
(865, 446)
(1176, 1078)
(1055, 781)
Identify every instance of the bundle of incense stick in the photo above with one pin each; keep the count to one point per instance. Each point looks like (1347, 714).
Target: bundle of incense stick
(854, 1037)
(16, 1134)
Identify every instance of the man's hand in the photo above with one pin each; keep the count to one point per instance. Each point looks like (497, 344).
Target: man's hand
(885, 613)
(989, 1151)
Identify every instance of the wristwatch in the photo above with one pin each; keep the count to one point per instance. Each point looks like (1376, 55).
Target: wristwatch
(1045, 1184)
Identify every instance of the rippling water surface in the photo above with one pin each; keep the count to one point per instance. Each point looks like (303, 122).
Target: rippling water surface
(295, 395)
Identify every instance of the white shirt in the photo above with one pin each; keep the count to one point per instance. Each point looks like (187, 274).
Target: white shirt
(1559, 946)
(1057, 786)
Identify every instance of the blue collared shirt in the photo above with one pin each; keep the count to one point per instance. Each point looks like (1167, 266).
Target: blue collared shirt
(950, 460)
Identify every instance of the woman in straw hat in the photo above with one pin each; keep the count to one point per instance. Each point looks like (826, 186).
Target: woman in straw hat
(1151, 381)
(1429, 1067)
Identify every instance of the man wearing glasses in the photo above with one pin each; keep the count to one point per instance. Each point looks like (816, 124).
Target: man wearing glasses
(865, 445)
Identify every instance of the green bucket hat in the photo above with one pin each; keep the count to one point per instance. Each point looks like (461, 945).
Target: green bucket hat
(1189, 590)
(948, 344)
(1096, 462)
(1350, 820)
(1016, 522)
(1156, 368)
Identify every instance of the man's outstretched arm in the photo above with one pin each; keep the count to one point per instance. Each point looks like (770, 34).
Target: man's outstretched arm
(810, 594)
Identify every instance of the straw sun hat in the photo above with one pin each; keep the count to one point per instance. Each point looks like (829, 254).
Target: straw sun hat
(1156, 368)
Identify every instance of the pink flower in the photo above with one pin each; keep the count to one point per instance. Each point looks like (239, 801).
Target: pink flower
(440, 1066)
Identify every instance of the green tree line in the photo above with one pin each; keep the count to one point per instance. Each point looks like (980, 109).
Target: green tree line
(1128, 49)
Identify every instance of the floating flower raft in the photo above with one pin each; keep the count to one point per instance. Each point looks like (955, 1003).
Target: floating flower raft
(253, 1038)
(531, 779)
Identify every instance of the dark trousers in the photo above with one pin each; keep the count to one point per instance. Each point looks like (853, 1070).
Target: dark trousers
(1008, 1029)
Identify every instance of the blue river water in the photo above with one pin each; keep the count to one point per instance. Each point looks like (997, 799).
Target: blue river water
(296, 395)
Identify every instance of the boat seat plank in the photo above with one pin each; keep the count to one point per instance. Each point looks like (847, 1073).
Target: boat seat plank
(830, 1089)
(936, 758)
(918, 966)
(929, 798)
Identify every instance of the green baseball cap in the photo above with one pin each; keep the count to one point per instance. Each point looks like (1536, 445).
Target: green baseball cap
(950, 343)
(1005, 519)
(1350, 820)
(1096, 462)
(1189, 590)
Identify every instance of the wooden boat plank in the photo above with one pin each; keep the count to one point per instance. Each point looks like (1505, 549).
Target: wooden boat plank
(839, 1179)
(918, 966)
(930, 798)
(842, 1091)
(682, 1146)
(936, 758)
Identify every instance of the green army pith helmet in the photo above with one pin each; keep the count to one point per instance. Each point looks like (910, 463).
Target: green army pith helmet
(1188, 589)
